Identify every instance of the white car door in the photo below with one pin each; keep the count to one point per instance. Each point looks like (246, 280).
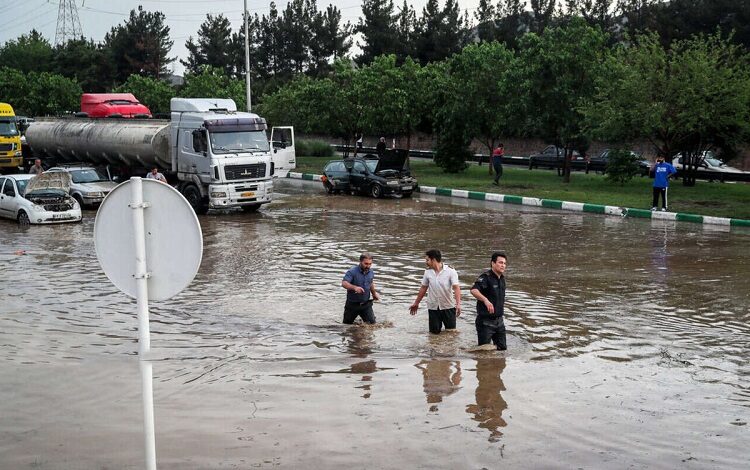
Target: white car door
(7, 198)
(282, 144)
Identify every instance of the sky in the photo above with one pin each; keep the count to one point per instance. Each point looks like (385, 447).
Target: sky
(183, 17)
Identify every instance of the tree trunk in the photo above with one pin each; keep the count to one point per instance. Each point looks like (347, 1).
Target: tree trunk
(566, 165)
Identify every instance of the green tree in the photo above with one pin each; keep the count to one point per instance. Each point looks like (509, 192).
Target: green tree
(440, 32)
(690, 98)
(29, 53)
(557, 72)
(485, 14)
(214, 83)
(543, 11)
(622, 166)
(87, 62)
(406, 24)
(214, 46)
(141, 45)
(378, 29)
(14, 89)
(154, 93)
(52, 94)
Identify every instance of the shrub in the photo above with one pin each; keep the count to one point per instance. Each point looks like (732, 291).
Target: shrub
(622, 166)
(452, 150)
(312, 148)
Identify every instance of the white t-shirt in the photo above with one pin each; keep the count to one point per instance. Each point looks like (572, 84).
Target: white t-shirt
(440, 288)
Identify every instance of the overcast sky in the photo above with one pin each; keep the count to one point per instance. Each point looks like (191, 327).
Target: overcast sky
(183, 16)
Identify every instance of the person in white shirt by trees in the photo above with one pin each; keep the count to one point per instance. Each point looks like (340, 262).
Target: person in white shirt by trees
(440, 284)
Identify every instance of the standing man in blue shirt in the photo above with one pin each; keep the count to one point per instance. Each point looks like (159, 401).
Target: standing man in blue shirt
(662, 172)
(358, 282)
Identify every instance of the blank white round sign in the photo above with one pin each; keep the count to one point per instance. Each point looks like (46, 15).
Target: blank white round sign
(174, 242)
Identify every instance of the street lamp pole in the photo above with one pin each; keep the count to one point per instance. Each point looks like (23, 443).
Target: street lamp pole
(247, 61)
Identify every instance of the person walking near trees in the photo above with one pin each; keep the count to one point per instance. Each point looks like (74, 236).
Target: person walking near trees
(497, 162)
(662, 172)
(489, 290)
(359, 284)
(440, 283)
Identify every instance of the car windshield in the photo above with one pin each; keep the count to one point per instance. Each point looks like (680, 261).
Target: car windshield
(232, 142)
(8, 128)
(89, 175)
(714, 162)
(371, 165)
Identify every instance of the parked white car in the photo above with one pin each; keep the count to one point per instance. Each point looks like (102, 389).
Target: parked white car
(42, 199)
(709, 166)
(88, 186)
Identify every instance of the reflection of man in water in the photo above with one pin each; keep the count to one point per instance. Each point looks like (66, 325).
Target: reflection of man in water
(359, 284)
(490, 404)
(440, 283)
(489, 290)
(441, 378)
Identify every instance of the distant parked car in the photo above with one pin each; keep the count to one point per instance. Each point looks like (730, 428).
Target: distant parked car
(88, 186)
(552, 157)
(600, 162)
(709, 167)
(376, 176)
(42, 199)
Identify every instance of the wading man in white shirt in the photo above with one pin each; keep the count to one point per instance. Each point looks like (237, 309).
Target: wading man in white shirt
(440, 283)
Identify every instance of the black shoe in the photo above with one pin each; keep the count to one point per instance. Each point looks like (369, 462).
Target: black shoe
(496, 183)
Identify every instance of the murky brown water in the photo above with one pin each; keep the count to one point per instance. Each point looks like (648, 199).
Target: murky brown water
(628, 345)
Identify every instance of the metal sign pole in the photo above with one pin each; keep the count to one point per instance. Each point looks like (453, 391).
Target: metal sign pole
(144, 334)
(247, 60)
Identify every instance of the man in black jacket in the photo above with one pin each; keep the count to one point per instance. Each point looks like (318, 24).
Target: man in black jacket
(489, 290)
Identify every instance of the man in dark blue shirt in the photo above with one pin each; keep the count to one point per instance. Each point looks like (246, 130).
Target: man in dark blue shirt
(358, 282)
(489, 290)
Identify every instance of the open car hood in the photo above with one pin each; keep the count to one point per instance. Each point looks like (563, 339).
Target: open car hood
(392, 160)
(57, 181)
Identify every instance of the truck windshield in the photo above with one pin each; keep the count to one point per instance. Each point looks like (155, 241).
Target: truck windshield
(89, 175)
(8, 128)
(233, 142)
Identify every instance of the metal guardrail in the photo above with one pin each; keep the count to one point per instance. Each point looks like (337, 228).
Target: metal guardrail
(524, 161)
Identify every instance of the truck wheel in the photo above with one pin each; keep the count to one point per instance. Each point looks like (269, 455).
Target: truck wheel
(253, 208)
(23, 218)
(376, 190)
(194, 198)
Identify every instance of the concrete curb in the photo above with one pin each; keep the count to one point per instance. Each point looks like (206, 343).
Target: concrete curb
(564, 205)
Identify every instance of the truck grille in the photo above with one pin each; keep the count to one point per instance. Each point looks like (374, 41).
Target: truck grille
(241, 172)
(6, 147)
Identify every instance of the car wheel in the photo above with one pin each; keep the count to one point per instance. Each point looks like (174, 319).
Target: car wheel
(250, 209)
(23, 218)
(531, 165)
(329, 188)
(376, 190)
(79, 200)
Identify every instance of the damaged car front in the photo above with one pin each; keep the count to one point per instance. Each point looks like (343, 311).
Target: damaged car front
(45, 200)
(388, 174)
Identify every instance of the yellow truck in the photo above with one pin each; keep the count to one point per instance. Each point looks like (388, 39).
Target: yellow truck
(11, 157)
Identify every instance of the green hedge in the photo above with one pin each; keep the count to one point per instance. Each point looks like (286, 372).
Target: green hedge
(312, 148)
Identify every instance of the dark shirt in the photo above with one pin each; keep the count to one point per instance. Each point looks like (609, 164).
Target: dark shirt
(380, 148)
(493, 288)
(357, 277)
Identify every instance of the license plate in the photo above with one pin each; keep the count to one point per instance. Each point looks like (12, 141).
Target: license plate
(406, 188)
(60, 216)
(248, 194)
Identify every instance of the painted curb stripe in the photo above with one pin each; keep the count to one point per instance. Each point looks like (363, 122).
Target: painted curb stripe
(564, 205)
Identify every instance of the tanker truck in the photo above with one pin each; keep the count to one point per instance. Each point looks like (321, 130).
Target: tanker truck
(216, 157)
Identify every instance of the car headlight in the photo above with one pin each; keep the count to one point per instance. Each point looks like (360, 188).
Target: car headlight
(37, 208)
(18, 153)
(218, 195)
(94, 194)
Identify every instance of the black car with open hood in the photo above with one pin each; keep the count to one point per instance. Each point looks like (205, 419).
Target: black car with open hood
(388, 174)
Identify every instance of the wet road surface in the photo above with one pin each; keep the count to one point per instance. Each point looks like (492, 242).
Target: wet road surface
(628, 344)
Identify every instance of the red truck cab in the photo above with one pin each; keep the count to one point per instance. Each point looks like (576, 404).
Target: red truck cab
(100, 105)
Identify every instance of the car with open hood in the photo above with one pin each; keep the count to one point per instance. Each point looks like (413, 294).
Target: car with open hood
(42, 199)
(89, 185)
(388, 174)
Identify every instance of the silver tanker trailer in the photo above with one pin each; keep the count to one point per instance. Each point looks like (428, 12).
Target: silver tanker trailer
(215, 156)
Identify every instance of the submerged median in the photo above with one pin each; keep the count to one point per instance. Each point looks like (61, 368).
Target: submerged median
(725, 200)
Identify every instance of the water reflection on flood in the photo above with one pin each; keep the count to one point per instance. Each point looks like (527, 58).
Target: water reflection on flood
(652, 314)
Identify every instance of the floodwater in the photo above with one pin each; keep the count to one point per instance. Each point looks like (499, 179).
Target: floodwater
(628, 345)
